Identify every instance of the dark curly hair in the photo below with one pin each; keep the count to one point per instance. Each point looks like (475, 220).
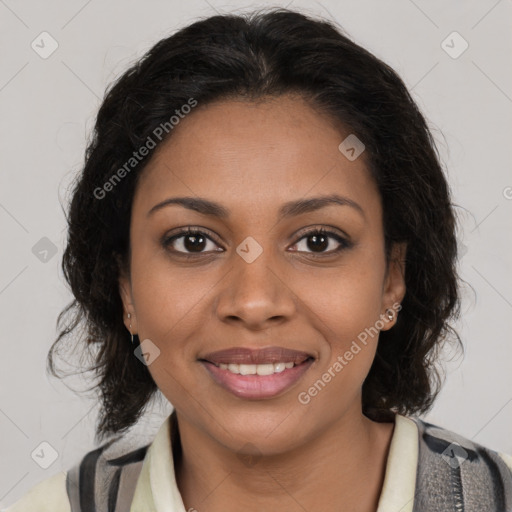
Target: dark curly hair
(252, 56)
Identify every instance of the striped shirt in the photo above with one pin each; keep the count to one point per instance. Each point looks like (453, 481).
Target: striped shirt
(428, 469)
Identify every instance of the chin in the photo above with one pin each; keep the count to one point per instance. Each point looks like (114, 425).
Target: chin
(266, 432)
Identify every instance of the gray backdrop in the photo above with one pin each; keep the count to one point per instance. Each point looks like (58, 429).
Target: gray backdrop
(454, 56)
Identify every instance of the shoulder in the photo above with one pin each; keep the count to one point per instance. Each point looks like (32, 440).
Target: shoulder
(106, 478)
(457, 449)
(47, 496)
(454, 470)
(95, 482)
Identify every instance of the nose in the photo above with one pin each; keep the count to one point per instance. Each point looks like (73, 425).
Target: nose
(258, 294)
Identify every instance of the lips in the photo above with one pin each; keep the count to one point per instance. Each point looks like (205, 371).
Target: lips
(257, 374)
(269, 355)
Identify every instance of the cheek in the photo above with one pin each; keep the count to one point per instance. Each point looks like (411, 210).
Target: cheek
(165, 295)
(345, 306)
(345, 318)
(169, 305)
(346, 300)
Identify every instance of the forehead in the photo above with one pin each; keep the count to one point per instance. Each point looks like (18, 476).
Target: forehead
(255, 154)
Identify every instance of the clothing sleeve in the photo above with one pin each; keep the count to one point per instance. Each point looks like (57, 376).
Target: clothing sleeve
(50, 495)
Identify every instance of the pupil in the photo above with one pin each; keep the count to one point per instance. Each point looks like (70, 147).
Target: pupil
(318, 238)
(197, 242)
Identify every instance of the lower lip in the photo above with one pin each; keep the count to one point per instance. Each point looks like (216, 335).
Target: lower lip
(257, 387)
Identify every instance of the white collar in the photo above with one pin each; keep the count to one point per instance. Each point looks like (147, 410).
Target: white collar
(156, 488)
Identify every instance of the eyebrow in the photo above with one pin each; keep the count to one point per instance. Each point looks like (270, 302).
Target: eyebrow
(290, 209)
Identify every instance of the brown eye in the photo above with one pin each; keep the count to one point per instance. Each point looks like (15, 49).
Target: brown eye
(189, 241)
(319, 240)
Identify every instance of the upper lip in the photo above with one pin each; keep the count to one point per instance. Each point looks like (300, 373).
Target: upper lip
(243, 355)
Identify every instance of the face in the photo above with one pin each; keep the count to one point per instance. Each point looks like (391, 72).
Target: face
(267, 278)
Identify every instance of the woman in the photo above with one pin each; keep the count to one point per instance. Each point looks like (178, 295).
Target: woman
(263, 233)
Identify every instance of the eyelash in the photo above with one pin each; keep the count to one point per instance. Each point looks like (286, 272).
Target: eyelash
(344, 243)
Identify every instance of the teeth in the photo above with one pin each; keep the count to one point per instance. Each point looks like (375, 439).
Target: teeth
(256, 369)
(247, 369)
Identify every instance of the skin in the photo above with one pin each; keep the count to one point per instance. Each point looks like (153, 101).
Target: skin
(253, 157)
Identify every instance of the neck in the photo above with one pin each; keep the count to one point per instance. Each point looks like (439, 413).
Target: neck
(341, 469)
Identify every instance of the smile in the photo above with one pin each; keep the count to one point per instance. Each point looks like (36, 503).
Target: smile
(257, 374)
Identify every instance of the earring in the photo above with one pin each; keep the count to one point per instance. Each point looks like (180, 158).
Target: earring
(129, 316)
(390, 314)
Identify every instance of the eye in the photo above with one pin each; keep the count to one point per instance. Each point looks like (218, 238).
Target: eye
(193, 242)
(319, 239)
(189, 242)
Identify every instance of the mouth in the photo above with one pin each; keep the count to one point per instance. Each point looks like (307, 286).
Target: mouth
(257, 374)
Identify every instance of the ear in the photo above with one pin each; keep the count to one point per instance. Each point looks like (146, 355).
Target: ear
(125, 291)
(394, 285)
